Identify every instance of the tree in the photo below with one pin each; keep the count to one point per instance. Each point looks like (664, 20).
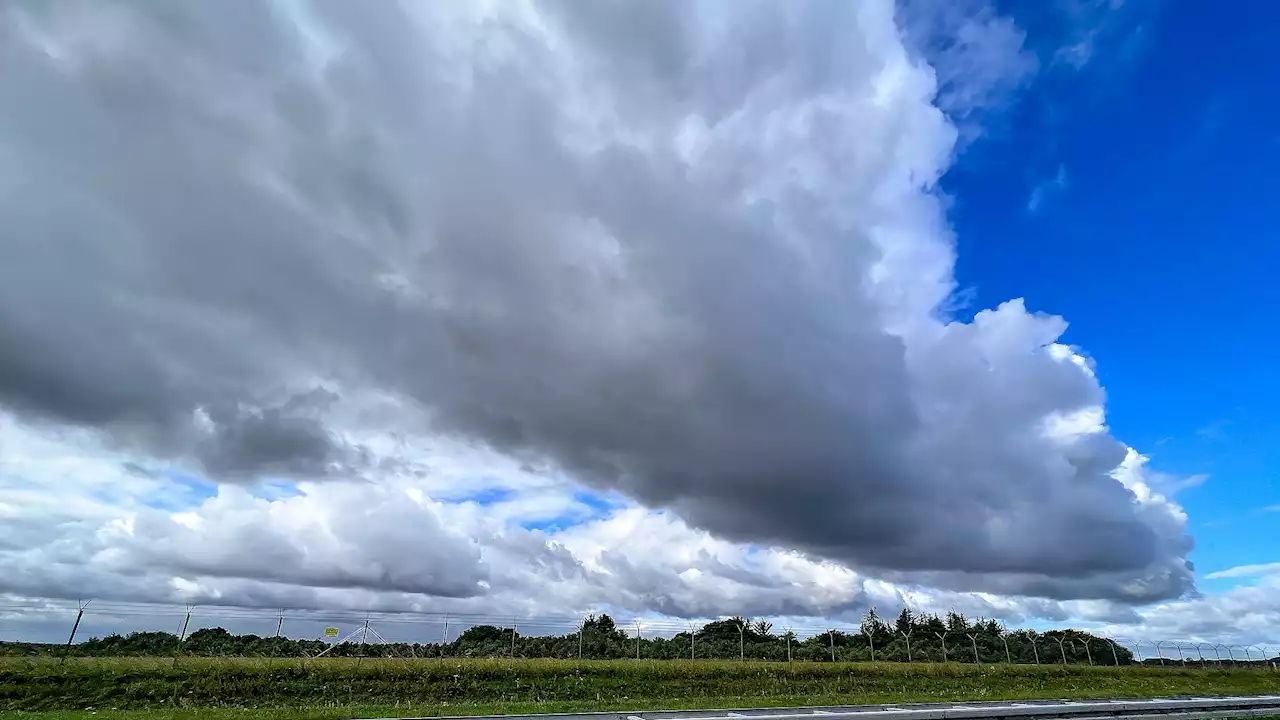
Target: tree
(906, 621)
(601, 624)
(872, 626)
(600, 637)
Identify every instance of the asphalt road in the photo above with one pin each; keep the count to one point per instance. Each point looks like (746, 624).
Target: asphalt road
(1186, 708)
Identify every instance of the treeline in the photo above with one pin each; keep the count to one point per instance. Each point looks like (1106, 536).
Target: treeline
(911, 636)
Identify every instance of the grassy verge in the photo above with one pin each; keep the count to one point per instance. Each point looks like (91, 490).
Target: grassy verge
(237, 689)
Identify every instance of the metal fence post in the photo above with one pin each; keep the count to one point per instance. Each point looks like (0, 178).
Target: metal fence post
(275, 639)
(445, 637)
(182, 636)
(71, 638)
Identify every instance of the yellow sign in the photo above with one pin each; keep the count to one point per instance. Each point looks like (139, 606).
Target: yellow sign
(331, 632)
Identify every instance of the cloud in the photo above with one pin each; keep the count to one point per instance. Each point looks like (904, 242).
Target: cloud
(979, 58)
(696, 259)
(1245, 571)
(1110, 33)
(1186, 483)
(1244, 614)
(1215, 431)
(1271, 508)
(1046, 190)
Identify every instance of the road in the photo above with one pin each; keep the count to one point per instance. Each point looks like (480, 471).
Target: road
(1188, 708)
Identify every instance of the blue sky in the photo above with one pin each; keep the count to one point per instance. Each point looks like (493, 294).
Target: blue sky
(1152, 231)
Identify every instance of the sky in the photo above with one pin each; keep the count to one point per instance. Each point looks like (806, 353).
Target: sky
(1155, 159)
(674, 310)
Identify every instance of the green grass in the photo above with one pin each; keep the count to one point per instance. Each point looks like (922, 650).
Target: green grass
(247, 689)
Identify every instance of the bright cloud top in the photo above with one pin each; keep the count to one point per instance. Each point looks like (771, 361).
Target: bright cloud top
(690, 255)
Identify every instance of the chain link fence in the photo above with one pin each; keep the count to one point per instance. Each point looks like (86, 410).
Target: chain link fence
(102, 629)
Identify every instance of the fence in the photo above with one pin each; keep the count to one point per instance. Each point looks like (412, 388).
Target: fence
(108, 629)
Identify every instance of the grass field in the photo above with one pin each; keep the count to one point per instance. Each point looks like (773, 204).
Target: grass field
(244, 689)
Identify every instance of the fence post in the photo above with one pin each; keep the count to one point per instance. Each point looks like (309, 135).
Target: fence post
(742, 641)
(942, 636)
(582, 627)
(907, 635)
(71, 638)
(182, 636)
(445, 638)
(1115, 656)
(831, 634)
(871, 641)
(973, 639)
(1062, 648)
(1008, 657)
(1229, 657)
(513, 638)
(275, 639)
(789, 644)
(637, 639)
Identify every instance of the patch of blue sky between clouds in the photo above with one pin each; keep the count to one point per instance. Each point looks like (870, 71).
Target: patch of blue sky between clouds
(276, 489)
(186, 491)
(600, 502)
(553, 524)
(589, 506)
(484, 498)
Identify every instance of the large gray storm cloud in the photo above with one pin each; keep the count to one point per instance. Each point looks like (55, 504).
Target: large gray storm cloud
(691, 252)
